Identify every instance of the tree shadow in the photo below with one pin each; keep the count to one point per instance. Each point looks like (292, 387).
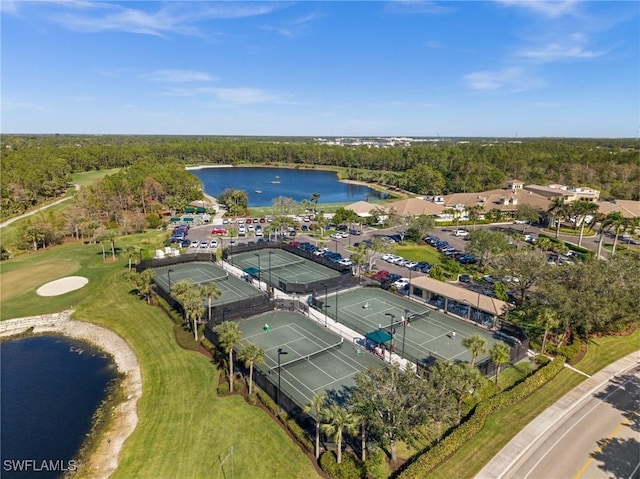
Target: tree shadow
(619, 457)
(622, 393)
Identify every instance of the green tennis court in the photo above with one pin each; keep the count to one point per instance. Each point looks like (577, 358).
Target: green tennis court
(200, 272)
(278, 266)
(428, 333)
(316, 359)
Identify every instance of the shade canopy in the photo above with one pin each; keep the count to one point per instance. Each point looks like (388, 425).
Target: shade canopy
(378, 336)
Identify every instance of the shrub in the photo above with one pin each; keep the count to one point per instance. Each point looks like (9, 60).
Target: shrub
(428, 460)
(571, 350)
(300, 435)
(349, 468)
(223, 388)
(376, 465)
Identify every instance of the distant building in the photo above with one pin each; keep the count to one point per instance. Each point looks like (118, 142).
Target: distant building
(569, 193)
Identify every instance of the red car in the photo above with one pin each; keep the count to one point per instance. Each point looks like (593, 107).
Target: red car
(248, 221)
(218, 231)
(383, 273)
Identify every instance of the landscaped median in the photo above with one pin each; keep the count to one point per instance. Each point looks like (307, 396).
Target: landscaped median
(431, 458)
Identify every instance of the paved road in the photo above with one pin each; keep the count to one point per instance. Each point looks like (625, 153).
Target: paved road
(591, 432)
(33, 212)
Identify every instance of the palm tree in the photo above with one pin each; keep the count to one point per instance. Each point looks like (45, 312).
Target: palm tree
(518, 238)
(229, 335)
(339, 421)
(474, 213)
(251, 355)
(211, 292)
(144, 283)
(500, 355)
(619, 224)
(558, 210)
(544, 244)
(316, 409)
(584, 209)
(180, 290)
(547, 319)
(476, 344)
(131, 252)
(315, 197)
(193, 308)
(465, 381)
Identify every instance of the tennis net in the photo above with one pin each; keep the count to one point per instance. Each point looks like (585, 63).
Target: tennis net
(288, 265)
(307, 357)
(218, 278)
(411, 317)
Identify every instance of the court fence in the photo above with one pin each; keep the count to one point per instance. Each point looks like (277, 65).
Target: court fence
(241, 308)
(344, 280)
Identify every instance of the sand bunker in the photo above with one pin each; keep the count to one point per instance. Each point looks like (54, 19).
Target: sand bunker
(62, 286)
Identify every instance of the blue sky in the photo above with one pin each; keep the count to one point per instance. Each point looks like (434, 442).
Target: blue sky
(398, 68)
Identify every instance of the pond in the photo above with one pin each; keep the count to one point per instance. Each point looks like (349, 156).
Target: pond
(51, 388)
(264, 184)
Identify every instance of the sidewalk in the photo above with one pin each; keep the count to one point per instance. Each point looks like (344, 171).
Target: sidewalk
(518, 448)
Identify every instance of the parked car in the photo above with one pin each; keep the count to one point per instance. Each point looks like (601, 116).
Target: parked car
(383, 273)
(464, 278)
(204, 244)
(219, 231)
(461, 233)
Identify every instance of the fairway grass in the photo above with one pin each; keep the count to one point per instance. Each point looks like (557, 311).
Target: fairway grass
(183, 429)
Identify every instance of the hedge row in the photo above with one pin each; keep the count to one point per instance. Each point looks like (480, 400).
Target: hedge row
(349, 468)
(430, 459)
(296, 431)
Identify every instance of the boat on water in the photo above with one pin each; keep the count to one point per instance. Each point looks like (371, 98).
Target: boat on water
(275, 182)
(258, 191)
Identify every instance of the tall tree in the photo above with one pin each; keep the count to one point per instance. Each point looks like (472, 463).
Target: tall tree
(338, 422)
(210, 291)
(316, 409)
(476, 344)
(584, 210)
(315, 198)
(251, 355)
(485, 245)
(393, 403)
(557, 212)
(229, 335)
(547, 319)
(500, 355)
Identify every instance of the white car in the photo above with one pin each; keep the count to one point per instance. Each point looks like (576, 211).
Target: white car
(461, 233)
(195, 243)
(213, 244)
(401, 283)
(345, 262)
(204, 245)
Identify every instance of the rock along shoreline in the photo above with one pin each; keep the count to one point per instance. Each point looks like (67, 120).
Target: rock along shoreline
(124, 417)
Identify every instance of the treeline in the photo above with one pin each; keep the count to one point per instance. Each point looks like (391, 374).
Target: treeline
(39, 167)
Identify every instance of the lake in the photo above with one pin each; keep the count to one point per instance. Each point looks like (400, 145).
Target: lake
(264, 184)
(51, 388)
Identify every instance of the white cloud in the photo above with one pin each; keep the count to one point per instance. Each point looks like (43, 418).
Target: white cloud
(179, 76)
(574, 47)
(181, 18)
(554, 8)
(512, 79)
(245, 96)
(415, 6)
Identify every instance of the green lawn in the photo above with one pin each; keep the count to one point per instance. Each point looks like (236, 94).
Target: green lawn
(501, 427)
(416, 252)
(86, 178)
(183, 426)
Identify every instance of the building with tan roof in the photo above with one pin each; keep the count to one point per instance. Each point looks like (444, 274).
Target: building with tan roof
(628, 208)
(569, 193)
(415, 207)
(505, 200)
(460, 301)
(365, 209)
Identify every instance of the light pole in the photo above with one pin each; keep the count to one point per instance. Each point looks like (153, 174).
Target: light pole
(169, 271)
(280, 353)
(392, 316)
(336, 315)
(336, 243)
(404, 328)
(259, 269)
(270, 284)
(325, 303)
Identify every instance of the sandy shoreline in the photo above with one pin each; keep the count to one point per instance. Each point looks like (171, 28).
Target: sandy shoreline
(124, 417)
